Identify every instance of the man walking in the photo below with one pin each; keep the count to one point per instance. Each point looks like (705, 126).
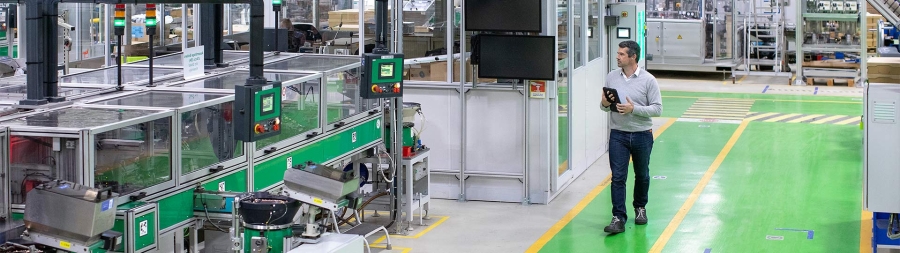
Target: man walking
(630, 135)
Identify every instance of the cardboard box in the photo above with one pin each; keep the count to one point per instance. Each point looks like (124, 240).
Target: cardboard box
(839, 64)
(437, 72)
(349, 17)
(176, 13)
(880, 70)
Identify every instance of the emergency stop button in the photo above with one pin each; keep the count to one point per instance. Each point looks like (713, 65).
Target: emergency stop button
(259, 128)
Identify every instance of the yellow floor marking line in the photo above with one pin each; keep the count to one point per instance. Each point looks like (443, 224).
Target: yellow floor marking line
(569, 216)
(393, 248)
(686, 207)
(848, 121)
(717, 112)
(786, 116)
(827, 119)
(742, 79)
(865, 232)
(761, 115)
(805, 118)
(584, 202)
(783, 100)
(420, 234)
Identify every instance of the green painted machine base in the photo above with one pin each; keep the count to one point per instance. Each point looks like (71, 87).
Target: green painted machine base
(275, 239)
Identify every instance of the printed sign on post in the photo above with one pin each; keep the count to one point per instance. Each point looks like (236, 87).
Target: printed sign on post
(538, 89)
(192, 60)
(222, 186)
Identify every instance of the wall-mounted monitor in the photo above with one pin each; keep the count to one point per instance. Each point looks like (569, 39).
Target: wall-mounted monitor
(503, 15)
(517, 57)
(623, 33)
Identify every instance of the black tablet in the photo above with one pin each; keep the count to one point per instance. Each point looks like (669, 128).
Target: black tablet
(615, 98)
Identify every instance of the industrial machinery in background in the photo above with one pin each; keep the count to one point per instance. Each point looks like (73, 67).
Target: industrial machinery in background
(672, 37)
(630, 24)
(64, 216)
(156, 156)
(829, 41)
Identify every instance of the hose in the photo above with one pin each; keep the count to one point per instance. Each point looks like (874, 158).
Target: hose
(362, 207)
(891, 227)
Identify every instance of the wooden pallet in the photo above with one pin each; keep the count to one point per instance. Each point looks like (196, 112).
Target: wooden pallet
(871, 50)
(829, 81)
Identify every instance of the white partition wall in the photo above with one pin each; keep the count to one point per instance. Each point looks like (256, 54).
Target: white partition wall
(478, 132)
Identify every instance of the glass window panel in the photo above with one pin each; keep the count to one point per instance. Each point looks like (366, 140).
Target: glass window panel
(208, 137)
(134, 157)
(562, 82)
(313, 63)
(238, 15)
(343, 96)
(228, 81)
(595, 31)
(578, 36)
(425, 27)
(176, 60)
(129, 75)
(78, 118)
(299, 112)
(32, 161)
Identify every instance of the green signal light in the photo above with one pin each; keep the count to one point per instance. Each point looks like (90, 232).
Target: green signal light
(119, 22)
(276, 2)
(150, 22)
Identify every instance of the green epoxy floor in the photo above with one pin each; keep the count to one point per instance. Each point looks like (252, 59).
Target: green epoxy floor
(777, 175)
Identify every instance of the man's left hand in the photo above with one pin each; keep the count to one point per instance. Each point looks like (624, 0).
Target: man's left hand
(626, 108)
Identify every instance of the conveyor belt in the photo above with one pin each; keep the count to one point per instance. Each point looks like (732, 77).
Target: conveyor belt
(890, 9)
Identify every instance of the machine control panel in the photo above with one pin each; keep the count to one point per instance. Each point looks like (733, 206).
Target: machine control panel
(258, 108)
(382, 76)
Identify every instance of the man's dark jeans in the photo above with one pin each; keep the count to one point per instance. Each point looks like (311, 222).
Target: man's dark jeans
(622, 146)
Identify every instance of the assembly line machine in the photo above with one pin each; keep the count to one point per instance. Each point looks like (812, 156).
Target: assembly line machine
(693, 35)
(126, 164)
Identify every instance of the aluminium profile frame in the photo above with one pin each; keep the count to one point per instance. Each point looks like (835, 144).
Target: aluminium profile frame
(85, 153)
(177, 153)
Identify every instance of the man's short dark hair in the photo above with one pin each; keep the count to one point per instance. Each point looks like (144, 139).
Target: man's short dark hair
(633, 49)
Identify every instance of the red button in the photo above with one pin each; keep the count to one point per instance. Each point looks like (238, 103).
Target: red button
(396, 90)
(276, 127)
(259, 128)
(376, 89)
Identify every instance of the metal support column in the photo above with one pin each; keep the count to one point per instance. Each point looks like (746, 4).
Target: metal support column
(212, 38)
(107, 12)
(462, 102)
(21, 26)
(51, 13)
(35, 57)
(315, 13)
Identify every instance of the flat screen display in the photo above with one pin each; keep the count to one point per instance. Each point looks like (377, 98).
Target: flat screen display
(503, 15)
(517, 57)
(268, 103)
(386, 71)
(623, 33)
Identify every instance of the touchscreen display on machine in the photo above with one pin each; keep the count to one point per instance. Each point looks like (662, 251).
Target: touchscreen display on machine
(268, 103)
(386, 71)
